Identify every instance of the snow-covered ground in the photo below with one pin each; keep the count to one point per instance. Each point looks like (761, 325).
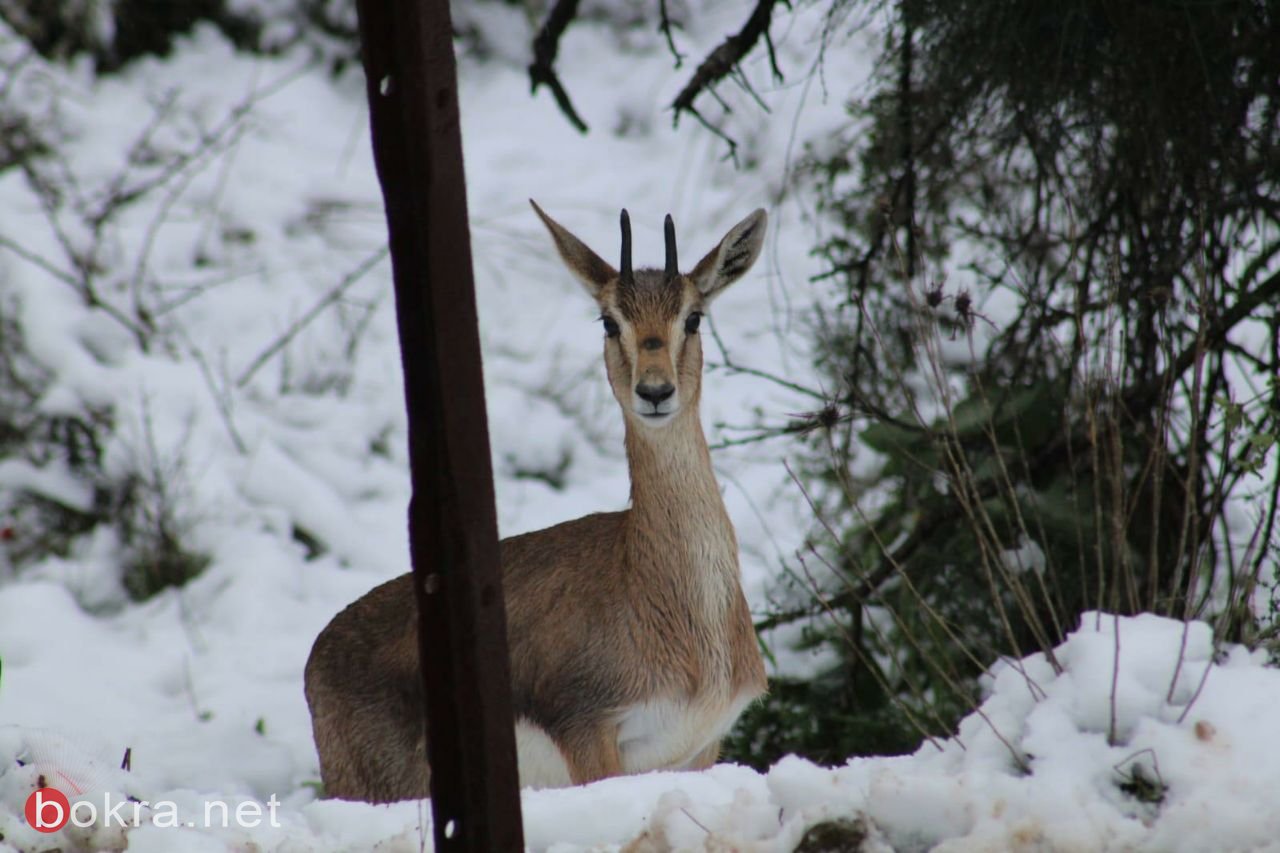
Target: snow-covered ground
(289, 471)
(1127, 751)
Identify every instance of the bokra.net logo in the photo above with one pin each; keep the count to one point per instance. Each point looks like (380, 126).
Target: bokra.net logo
(47, 809)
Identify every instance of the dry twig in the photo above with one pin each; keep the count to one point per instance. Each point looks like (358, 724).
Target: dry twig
(542, 70)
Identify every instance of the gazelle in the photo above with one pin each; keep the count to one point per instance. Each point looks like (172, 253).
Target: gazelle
(632, 647)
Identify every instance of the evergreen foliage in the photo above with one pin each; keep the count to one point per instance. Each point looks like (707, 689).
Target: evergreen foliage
(1074, 419)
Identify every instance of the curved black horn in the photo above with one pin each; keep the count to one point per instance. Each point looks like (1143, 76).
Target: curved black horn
(669, 231)
(626, 246)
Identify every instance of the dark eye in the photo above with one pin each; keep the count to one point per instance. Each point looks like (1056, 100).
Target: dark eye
(691, 323)
(610, 326)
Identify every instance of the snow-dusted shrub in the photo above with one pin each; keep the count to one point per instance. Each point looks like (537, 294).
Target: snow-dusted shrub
(1048, 350)
(49, 461)
(77, 303)
(55, 485)
(115, 32)
(152, 514)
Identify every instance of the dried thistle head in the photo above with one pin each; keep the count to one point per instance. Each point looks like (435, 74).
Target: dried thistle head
(964, 308)
(934, 295)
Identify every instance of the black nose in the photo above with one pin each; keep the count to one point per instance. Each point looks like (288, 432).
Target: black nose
(655, 394)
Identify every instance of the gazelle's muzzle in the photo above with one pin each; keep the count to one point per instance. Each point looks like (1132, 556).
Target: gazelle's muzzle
(656, 401)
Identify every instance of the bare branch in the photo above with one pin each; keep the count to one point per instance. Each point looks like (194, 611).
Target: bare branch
(545, 47)
(1217, 332)
(665, 28)
(39, 261)
(221, 395)
(729, 364)
(334, 294)
(722, 61)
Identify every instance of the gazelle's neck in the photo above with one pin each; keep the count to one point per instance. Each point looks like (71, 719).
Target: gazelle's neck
(675, 500)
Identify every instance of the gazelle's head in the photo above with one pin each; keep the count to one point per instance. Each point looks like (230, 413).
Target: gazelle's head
(651, 317)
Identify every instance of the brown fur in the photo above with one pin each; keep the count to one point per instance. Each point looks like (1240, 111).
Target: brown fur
(604, 613)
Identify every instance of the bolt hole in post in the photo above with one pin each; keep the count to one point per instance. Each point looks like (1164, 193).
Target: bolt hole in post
(384, 86)
(431, 584)
(451, 829)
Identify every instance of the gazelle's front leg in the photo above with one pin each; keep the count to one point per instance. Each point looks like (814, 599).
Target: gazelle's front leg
(592, 754)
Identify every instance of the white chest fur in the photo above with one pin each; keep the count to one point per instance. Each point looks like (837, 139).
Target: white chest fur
(667, 734)
(671, 732)
(540, 761)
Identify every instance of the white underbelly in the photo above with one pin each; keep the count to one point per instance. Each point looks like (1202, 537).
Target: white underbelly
(659, 735)
(668, 734)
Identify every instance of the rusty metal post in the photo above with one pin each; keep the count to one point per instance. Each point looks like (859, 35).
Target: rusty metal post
(411, 78)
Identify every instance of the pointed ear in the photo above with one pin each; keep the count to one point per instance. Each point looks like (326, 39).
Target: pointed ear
(585, 264)
(730, 261)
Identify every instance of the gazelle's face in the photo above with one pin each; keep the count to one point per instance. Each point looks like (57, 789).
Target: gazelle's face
(651, 317)
(652, 349)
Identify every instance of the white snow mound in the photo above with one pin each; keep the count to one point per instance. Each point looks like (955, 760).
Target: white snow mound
(1145, 740)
